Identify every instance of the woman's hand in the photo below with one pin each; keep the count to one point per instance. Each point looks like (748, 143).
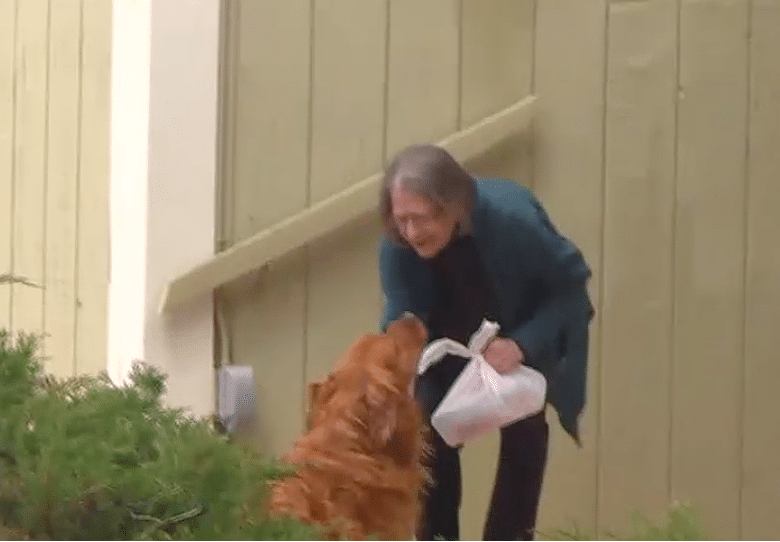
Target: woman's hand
(504, 355)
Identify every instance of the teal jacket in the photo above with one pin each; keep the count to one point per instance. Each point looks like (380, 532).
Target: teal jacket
(531, 265)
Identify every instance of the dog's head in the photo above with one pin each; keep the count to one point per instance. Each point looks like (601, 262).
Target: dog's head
(410, 335)
(372, 382)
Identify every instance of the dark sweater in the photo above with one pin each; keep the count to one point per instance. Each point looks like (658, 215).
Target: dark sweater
(464, 298)
(465, 293)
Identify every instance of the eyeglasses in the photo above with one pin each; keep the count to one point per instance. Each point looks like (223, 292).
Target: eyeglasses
(418, 222)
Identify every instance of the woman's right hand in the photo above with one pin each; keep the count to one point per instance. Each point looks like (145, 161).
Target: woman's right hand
(503, 354)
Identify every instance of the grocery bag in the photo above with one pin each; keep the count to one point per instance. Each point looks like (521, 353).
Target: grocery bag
(480, 399)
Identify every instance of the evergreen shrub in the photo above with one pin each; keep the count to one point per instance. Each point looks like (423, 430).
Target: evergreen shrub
(82, 458)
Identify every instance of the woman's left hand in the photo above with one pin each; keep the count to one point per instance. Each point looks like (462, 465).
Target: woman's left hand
(504, 355)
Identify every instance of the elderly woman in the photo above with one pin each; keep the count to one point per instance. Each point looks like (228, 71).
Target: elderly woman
(457, 250)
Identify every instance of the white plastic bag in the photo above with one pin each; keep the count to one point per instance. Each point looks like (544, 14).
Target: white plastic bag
(480, 399)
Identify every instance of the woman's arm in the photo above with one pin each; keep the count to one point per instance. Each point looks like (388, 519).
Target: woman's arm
(557, 263)
(405, 284)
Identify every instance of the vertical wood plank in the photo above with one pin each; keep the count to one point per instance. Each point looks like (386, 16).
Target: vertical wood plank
(497, 56)
(30, 162)
(7, 128)
(497, 48)
(423, 77)
(496, 66)
(709, 270)
(63, 150)
(273, 113)
(348, 93)
(269, 182)
(569, 173)
(638, 240)
(760, 467)
(93, 219)
(343, 293)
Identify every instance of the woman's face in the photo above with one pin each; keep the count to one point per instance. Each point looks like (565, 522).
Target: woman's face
(422, 223)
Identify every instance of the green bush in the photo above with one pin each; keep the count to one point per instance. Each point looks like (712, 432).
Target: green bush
(85, 459)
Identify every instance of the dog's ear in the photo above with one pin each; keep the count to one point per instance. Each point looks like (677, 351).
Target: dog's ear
(393, 427)
(382, 418)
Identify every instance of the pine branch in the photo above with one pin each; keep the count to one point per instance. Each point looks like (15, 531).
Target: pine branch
(160, 524)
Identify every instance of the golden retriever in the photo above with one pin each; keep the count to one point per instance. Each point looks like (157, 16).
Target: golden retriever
(359, 468)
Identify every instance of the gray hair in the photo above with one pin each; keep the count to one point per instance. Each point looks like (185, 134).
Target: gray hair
(430, 171)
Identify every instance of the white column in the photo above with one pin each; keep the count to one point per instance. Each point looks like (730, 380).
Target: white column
(163, 172)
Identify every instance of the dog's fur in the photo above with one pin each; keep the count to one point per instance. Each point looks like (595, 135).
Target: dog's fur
(359, 469)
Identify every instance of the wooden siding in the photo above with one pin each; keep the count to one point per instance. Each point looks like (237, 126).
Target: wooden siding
(54, 114)
(655, 149)
(654, 154)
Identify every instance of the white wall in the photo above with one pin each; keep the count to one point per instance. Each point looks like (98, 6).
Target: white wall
(163, 171)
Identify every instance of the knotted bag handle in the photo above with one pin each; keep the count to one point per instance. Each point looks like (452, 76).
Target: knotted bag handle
(435, 351)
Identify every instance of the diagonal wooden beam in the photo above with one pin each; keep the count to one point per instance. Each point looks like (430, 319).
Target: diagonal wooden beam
(332, 213)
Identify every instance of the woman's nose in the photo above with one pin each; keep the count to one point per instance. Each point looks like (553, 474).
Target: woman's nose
(411, 231)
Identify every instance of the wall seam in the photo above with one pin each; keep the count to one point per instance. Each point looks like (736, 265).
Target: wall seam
(460, 82)
(306, 249)
(386, 90)
(673, 249)
(235, 51)
(221, 345)
(745, 266)
(79, 132)
(532, 91)
(385, 108)
(229, 200)
(222, 143)
(14, 143)
(533, 47)
(602, 252)
(45, 175)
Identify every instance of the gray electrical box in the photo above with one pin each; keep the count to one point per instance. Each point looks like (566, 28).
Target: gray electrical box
(236, 397)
